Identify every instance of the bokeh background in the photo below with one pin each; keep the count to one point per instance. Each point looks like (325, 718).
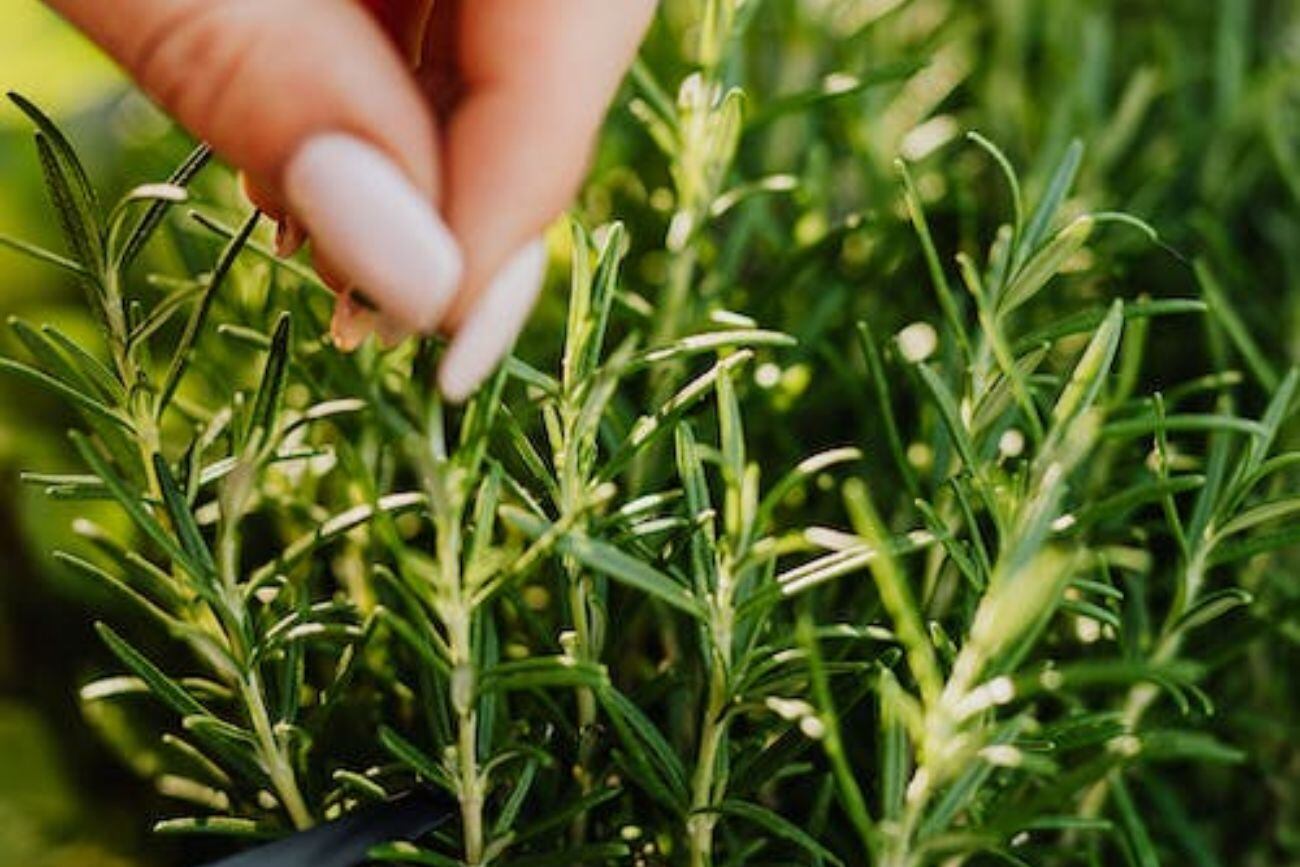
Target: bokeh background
(1191, 113)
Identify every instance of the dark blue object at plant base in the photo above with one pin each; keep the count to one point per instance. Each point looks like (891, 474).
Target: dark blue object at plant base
(345, 843)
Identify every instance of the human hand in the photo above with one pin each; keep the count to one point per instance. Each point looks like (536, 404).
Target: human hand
(423, 146)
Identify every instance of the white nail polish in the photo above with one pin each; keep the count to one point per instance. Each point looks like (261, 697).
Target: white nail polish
(493, 324)
(351, 325)
(359, 208)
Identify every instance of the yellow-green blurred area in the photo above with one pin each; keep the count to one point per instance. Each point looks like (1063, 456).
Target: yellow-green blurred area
(64, 799)
(1190, 110)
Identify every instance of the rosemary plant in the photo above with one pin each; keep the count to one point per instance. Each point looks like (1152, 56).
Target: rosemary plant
(963, 621)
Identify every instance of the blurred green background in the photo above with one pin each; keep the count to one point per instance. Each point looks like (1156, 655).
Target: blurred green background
(64, 799)
(1191, 113)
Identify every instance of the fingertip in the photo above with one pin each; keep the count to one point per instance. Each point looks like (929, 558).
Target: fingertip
(289, 237)
(261, 197)
(352, 323)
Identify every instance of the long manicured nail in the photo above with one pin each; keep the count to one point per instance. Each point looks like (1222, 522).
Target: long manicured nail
(493, 324)
(289, 237)
(352, 323)
(358, 206)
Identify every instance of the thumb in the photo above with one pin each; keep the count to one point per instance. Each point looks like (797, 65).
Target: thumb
(315, 103)
(537, 78)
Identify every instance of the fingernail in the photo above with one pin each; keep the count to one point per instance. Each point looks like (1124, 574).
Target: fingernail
(352, 323)
(493, 324)
(289, 237)
(358, 207)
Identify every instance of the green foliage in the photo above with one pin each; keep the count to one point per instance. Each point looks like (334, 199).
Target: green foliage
(860, 576)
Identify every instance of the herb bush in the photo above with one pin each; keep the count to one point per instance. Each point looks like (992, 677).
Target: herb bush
(803, 534)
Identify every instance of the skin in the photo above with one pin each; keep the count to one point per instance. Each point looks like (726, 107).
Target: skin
(489, 107)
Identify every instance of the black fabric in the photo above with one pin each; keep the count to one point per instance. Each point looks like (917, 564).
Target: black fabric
(344, 843)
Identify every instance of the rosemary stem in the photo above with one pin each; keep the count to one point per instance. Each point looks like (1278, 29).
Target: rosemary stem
(274, 758)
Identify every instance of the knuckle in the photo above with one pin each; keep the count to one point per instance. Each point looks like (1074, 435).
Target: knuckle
(189, 60)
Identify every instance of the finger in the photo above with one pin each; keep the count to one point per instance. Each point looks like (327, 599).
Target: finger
(537, 79)
(289, 233)
(352, 323)
(289, 237)
(312, 101)
(264, 199)
(406, 22)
